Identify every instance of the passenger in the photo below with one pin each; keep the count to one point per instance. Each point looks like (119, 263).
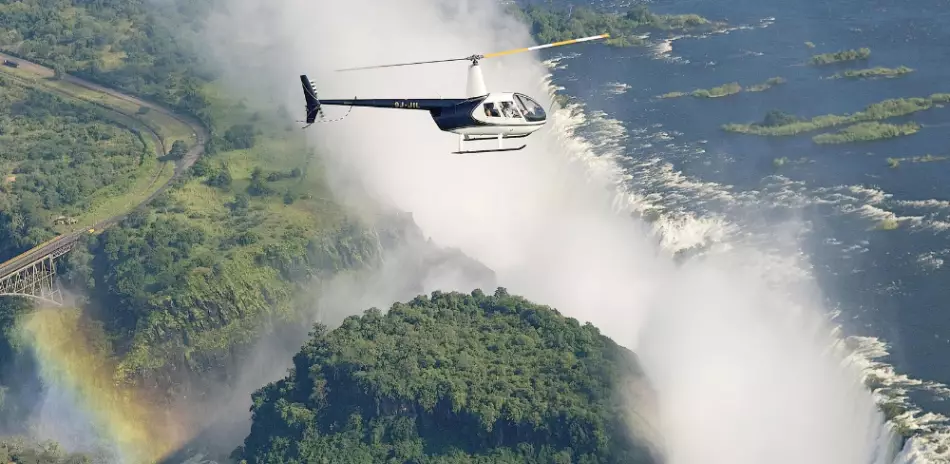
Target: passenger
(507, 110)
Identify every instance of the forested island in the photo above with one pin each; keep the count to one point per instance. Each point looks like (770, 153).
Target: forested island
(725, 90)
(778, 123)
(842, 56)
(625, 29)
(877, 72)
(451, 378)
(867, 132)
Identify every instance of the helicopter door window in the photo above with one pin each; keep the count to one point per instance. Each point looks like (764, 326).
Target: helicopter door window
(491, 111)
(509, 110)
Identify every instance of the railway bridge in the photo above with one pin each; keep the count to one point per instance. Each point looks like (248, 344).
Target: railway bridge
(32, 274)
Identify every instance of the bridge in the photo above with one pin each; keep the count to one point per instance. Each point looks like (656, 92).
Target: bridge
(32, 274)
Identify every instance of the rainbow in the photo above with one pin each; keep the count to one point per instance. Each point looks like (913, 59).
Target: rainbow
(73, 356)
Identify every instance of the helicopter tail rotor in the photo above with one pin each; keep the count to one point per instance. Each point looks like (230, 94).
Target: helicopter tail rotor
(314, 108)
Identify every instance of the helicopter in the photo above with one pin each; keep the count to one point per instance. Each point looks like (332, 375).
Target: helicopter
(482, 115)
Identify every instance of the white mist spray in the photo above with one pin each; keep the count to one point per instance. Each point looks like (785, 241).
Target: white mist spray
(745, 373)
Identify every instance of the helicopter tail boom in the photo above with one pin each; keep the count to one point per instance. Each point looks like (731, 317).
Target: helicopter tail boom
(426, 104)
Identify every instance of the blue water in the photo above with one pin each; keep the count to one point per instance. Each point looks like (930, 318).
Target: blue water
(882, 280)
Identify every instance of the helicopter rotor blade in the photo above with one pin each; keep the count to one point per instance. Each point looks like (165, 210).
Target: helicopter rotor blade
(539, 47)
(489, 55)
(404, 64)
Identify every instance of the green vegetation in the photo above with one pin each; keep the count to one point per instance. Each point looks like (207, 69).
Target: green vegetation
(895, 162)
(455, 378)
(625, 29)
(673, 95)
(21, 451)
(768, 84)
(842, 56)
(184, 285)
(65, 163)
(867, 132)
(777, 123)
(127, 45)
(873, 73)
(731, 88)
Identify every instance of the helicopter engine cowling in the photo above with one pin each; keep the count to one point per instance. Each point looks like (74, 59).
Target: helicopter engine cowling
(476, 82)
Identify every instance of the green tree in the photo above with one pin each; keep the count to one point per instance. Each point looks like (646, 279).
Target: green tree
(449, 378)
(178, 150)
(240, 136)
(258, 186)
(221, 179)
(778, 118)
(59, 71)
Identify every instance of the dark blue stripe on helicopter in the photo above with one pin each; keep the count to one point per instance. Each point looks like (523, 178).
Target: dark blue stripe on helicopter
(449, 114)
(459, 116)
(427, 104)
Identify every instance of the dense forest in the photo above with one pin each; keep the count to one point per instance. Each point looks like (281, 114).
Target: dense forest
(551, 25)
(144, 48)
(185, 283)
(54, 156)
(451, 378)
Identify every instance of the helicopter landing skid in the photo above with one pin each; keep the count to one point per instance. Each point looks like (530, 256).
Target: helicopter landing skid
(500, 138)
(487, 150)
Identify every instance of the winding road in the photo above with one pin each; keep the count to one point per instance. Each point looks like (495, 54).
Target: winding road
(65, 242)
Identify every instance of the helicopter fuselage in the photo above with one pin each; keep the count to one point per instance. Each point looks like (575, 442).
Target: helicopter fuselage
(506, 114)
(481, 115)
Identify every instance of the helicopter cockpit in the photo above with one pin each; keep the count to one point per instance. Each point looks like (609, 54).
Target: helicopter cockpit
(519, 107)
(531, 110)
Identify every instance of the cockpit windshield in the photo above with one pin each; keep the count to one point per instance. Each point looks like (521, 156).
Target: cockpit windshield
(531, 109)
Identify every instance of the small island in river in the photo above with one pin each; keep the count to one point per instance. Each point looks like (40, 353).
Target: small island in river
(867, 132)
(779, 123)
(731, 88)
(625, 29)
(842, 56)
(870, 73)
